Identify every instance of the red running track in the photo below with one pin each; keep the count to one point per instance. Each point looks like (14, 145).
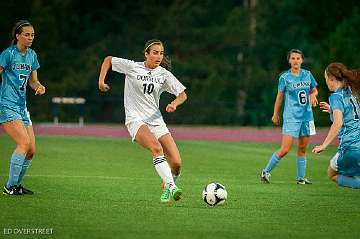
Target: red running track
(272, 135)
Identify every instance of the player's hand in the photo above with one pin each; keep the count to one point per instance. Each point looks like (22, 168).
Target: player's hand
(104, 87)
(313, 100)
(275, 119)
(40, 90)
(325, 107)
(318, 149)
(170, 108)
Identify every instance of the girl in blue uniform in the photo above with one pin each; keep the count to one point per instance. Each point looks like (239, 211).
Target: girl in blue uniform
(299, 88)
(344, 110)
(18, 66)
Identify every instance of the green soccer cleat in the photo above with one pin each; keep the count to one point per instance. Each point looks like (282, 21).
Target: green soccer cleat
(165, 196)
(176, 194)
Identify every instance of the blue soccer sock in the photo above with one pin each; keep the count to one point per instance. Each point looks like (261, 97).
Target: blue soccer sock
(25, 167)
(16, 163)
(273, 161)
(301, 167)
(351, 182)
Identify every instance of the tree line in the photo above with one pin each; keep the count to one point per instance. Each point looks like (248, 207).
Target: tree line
(229, 55)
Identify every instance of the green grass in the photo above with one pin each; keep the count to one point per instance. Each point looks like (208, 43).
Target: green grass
(108, 188)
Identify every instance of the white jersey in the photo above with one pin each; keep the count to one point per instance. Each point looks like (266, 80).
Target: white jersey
(143, 87)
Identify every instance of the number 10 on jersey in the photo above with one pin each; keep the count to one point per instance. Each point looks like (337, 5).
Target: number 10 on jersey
(148, 88)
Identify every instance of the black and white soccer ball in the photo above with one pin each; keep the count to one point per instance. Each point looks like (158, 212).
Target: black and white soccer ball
(214, 194)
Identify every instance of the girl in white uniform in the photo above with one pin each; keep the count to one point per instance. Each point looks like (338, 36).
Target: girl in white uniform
(144, 83)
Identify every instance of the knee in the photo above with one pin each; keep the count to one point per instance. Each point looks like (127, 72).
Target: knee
(156, 149)
(331, 175)
(282, 152)
(301, 150)
(333, 178)
(24, 146)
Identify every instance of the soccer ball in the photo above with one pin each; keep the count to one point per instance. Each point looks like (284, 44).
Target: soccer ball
(214, 194)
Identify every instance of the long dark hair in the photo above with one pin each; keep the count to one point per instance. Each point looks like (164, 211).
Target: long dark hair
(166, 61)
(350, 77)
(17, 29)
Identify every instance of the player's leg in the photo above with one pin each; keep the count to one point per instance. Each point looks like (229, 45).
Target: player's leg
(17, 131)
(172, 154)
(301, 160)
(286, 144)
(289, 131)
(332, 174)
(28, 159)
(306, 130)
(346, 163)
(146, 138)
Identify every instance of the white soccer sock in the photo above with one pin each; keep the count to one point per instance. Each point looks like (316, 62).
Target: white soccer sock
(164, 171)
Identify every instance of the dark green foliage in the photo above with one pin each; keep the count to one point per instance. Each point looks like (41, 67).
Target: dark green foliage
(230, 71)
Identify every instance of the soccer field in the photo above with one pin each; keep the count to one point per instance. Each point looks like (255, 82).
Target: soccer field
(108, 188)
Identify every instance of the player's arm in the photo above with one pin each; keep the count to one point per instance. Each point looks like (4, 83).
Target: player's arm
(1, 69)
(313, 97)
(35, 84)
(278, 102)
(104, 70)
(333, 132)
(181, 98)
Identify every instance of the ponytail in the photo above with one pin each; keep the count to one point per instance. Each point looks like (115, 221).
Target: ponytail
(353, 79)
(349, 77)
(166, 63)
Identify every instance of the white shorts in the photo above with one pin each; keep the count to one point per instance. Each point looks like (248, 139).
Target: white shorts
(333, 162)
(157, 130)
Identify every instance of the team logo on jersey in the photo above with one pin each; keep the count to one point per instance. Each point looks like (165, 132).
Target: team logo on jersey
(21, 66)
(300, 84)
(153, 79)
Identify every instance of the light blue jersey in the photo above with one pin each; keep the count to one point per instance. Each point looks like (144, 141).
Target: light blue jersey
(17, 70)
(296, 89)
(343, 100)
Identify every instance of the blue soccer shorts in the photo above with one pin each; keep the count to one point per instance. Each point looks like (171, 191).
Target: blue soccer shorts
(298, 129)
(8, 115)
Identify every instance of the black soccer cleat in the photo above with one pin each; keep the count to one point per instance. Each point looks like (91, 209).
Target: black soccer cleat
(12, 191)
(23, 190)
(303, 181)
(265, 177)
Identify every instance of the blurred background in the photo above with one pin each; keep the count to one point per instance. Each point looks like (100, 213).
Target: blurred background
(228, 53)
